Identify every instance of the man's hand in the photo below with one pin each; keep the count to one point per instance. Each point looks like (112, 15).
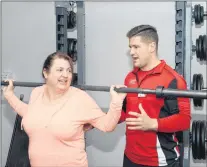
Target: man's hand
(142, 121)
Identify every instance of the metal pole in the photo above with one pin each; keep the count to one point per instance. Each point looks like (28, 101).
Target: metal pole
(159, 91)
(187, 23)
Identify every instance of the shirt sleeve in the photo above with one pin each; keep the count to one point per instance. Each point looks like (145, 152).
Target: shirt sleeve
(19, 106)
(94, 115)
(179, 109)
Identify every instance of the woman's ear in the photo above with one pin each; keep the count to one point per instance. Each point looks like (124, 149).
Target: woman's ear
(44, 73)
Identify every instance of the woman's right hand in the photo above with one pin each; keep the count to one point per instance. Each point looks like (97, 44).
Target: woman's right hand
(8, 90)
(117, 96)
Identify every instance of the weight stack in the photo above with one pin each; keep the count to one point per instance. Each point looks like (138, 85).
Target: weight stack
(61, 29)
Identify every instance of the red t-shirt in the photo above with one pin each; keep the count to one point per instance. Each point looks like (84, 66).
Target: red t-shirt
(173, 114)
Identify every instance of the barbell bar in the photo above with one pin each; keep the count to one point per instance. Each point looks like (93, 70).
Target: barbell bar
(201, 47)
(160, 91)
(199, 14)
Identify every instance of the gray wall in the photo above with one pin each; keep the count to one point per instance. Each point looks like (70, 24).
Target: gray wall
(0, 86)
(107, 54)
(107, 25)
(28, 34)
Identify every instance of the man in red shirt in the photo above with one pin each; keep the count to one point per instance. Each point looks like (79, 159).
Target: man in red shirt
(151, 122)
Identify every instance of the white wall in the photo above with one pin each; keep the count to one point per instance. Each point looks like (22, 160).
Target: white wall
(28, 36)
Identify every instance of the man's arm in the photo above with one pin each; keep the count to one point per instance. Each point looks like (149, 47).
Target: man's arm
(179, 109)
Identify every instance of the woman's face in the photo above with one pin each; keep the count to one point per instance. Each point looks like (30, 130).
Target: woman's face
(59, 75)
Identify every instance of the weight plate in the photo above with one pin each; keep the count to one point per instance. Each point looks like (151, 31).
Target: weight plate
(197, 48)
(196, 14)
(202, 139)
(197, 100)
(201, 81)
(198, 150)
(194, 140)
(204, 47)
(72, 48)
(71, 20)
(199, 84)
(70, 45)
(201, 14)
(200, 39)
(195, 88)
(194, 81)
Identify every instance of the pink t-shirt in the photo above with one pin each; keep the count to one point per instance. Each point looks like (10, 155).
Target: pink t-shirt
(55, 130)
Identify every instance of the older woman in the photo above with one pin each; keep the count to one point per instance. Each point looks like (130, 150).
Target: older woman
(55, 116)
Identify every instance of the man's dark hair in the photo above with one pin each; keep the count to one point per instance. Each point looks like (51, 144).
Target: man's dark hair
(148, 33)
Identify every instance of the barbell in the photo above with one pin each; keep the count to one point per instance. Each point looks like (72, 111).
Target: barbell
(160, 91)
(198, 85)
(199, 14)
(198, 139)
(201, 47)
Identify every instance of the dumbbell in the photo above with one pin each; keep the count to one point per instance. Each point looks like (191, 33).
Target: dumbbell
(201, 47)
(198, 139)
(198, 85)
(199, 14)
(72, 48)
